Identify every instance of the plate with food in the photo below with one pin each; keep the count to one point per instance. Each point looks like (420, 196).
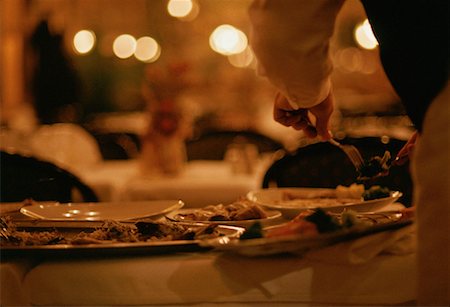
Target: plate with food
(291, 201)
(31, 238)
(122, 210)
(312, 229)
(242, 212)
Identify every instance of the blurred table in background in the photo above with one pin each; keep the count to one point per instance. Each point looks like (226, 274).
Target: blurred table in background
(200, 183)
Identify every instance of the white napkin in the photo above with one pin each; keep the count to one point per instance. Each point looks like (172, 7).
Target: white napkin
(395, 242)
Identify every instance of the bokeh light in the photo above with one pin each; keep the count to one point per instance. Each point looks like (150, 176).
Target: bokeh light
(147, 49)
(84, 41)
(364, 36)
(228, 40)
(124, 46)
(179, 8)
(243, 59)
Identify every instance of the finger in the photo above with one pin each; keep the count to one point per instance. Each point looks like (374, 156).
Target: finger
(403, 155)
(287, 118)
(310, 131)
(301, 125)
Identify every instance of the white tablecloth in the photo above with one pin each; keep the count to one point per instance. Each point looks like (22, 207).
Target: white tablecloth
(201, 183)
(208, 278)
(379, 269)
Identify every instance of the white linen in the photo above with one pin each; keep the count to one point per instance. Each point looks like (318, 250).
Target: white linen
(363, 250)
(217, 278)
(12, 274)
(108, 178)
(200, 183)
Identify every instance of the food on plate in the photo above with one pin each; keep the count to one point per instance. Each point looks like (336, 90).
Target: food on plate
(109, 232)
(354, 191)
(323, 198)
(12, 236)
(375, 166)
(309, 224)
(375, 192)
(239, 210)
(342, 195)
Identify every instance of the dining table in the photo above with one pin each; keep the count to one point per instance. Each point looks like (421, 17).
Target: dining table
(199, 183)
(378, 269)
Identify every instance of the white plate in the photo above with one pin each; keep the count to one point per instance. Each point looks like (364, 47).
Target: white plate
(120, 211)
(272, 218)
(273, 198)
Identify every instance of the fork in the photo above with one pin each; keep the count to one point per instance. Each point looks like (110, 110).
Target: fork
(352, 153)
(4, 233)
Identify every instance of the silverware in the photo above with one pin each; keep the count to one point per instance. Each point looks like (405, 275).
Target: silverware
(4, 233)
(352, 153)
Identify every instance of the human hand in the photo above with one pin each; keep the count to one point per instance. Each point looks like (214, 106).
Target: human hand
(405, 152)
(300, 119)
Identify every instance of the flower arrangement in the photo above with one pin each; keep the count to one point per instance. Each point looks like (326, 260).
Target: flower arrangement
(163, 149)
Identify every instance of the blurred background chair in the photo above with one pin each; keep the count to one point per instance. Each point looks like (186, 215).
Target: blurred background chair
(325, 165)
(117, 145)
(24, 177)
(68, 145)
(213, 145)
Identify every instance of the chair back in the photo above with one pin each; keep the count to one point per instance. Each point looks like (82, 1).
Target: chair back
(68, 145)
(214, 144)
(24, 177)
(326, 166)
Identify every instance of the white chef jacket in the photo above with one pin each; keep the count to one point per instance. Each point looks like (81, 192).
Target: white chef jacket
(302, 30)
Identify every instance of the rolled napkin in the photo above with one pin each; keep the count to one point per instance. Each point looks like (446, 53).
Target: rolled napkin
(395, 242)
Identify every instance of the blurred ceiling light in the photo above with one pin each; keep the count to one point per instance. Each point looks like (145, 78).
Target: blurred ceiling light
(124, 46)
(147, 49)
(364, 36)
(227, 40)
(243, 59)
(180, 8)
(83, 41)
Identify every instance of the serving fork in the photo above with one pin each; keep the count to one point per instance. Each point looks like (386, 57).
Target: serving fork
(4, 233)
(352, 153)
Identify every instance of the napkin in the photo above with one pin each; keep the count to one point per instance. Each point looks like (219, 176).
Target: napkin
(395, 242)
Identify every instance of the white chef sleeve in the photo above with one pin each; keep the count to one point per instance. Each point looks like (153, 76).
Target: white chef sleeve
(291, 40)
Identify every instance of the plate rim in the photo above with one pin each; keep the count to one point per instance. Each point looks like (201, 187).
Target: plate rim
(277, 214)
(176, 204)
(395, 195)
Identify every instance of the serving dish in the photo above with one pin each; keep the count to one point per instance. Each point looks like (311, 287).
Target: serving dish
(70, 229)
(300, 244)
(121, 211)
(274, 198)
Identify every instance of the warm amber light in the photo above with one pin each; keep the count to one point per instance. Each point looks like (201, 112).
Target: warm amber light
(243, 59)
(124, 46)
(147, 49)
(228, 40)
(179, 8)
(364, 36)
(83, 41)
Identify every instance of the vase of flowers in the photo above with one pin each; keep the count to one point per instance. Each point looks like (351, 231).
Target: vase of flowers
(163, 145)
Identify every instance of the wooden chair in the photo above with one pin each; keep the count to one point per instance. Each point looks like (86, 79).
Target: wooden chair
(24, 177)
(325, 165)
